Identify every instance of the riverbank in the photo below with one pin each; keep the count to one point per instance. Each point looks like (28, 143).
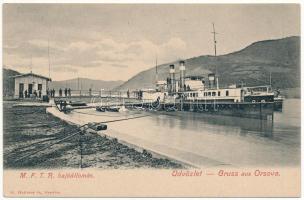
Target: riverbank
(30, 129)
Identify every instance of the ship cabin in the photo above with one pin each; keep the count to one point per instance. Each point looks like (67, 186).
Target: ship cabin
(161, 86)
(220, 95)
(258, 94)
(230, 94)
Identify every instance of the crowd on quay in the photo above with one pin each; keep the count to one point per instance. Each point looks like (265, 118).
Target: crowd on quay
(66, 92)
(52, 92)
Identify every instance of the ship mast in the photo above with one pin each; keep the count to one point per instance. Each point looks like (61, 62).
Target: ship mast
(156, 72)
(214, 40)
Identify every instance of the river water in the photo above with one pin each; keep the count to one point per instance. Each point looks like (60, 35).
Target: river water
(211, 140)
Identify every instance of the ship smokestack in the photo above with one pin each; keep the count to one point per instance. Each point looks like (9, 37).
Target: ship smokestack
(172, 78)
(182, 69)
(211, 80)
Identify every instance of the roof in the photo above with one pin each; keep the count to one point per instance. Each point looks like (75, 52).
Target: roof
(32, 74)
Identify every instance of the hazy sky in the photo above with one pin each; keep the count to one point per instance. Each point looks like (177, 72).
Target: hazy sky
(115, 42)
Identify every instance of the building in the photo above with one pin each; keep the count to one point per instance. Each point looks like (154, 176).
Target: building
(30, 84)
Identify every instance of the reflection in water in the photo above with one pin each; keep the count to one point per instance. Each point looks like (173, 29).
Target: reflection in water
(198, 121)
(230, 140)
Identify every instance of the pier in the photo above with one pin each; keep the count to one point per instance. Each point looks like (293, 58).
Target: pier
(257, 110)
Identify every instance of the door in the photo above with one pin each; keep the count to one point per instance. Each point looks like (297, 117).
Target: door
(30, 88)
(39, 90)
(21, 88)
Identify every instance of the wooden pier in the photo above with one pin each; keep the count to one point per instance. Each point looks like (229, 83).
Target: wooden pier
(257, 110)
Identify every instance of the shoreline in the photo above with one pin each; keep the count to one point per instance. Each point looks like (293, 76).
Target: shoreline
(29, 135)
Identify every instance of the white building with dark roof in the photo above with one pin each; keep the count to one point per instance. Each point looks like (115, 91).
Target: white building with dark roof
(29, 84)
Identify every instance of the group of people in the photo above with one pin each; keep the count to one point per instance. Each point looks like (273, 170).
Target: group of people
(67, 92)
(35, 94)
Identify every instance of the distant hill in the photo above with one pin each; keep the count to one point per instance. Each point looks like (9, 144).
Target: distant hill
(85, 84)
(251, 65)
(8, 82)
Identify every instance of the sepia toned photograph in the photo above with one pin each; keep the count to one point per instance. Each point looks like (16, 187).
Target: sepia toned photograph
(187, 94)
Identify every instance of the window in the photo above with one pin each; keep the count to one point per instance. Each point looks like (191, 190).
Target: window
(213, 93)
(209, 93)
(39, 86)
(227, 93)
(218, 93)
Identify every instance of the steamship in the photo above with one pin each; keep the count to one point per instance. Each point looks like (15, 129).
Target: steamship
(195, 93)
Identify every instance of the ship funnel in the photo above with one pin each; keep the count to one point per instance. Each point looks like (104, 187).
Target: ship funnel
(182, 70)
(211, 80)
(172, 69)
(172, 79)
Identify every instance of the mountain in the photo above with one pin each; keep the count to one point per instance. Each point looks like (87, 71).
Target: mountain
(8, 82)
(85, 84)
(251, 65)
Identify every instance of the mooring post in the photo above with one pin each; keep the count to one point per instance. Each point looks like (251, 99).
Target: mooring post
(181, 103)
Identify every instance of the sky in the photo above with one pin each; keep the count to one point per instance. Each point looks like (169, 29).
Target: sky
(115, 42)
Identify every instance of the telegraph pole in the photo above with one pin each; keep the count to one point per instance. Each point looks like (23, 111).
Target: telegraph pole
(31, 63)
(49, 58)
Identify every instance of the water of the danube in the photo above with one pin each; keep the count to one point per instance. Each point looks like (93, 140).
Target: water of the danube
(210, 140)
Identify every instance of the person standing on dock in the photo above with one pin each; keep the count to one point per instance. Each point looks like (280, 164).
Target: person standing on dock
(90, 92)
(65, 92)
(39, 93)
(128, 93)
(60, 92)
(69, 91)
(35, 94)
(25, 94)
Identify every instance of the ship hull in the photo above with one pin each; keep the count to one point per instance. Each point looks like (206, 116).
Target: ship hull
(256, 110)
(278, 104)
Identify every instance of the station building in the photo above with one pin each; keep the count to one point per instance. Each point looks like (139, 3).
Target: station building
(30, 83)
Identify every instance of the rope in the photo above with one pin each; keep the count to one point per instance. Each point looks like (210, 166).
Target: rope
(52, 137)
(117, 120)
(93, 114)
(35, 152)
(23, 147)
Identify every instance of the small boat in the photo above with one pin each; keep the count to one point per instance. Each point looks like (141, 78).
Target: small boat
(77, 103)
(100, 109)
(112, 109)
